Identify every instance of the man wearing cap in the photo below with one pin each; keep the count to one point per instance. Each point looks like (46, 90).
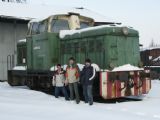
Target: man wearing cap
(87, 76)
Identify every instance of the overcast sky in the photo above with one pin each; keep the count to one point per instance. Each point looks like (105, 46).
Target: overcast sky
(143, 15)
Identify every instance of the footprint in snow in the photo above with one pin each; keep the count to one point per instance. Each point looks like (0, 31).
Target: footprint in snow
(156, 116)
(109, 108)
(141, 113)
(124, 109)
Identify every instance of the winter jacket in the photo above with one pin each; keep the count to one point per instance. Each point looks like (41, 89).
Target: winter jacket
(72, 73)
(59, 79)
(87, 75)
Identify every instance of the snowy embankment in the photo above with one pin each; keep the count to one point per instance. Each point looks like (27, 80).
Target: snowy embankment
(20, 103)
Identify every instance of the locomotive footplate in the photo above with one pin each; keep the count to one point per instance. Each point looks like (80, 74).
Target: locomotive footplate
(39, 79)
(17, 77)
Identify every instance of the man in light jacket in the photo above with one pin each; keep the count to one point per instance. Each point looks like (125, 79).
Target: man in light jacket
(72, 79)
(59, 82)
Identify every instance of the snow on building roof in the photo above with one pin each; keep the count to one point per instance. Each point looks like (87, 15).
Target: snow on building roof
(157, 59)
(127, 67)
(150, 48)
(30, 11)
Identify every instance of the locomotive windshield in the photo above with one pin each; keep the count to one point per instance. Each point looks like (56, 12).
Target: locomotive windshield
(42, 27)
(58, 25)
(35, 28)
(39, 27)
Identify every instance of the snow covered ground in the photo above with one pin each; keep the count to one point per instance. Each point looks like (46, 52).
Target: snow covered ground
(20, 103)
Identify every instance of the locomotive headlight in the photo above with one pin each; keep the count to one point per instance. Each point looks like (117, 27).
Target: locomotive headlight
(147, 71)
(131, 73)
(125, 30)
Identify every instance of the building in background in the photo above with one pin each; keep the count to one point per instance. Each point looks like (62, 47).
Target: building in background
(11, 30)
(151, 60)
(151, 56)
(17, 1)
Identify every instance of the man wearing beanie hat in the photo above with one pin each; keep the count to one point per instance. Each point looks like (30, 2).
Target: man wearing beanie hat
(87, 76)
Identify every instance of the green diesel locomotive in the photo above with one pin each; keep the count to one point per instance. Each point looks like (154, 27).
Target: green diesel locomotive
(59, 37)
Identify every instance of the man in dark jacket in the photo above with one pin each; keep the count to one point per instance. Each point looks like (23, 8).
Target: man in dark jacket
(87, 76)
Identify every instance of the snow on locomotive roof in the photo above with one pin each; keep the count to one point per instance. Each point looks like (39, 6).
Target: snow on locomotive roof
(127, 67)
(96, 67)
(64, 33)
(30, 11)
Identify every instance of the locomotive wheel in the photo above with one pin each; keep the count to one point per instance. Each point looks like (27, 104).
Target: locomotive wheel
(30, 84)
(10, 82)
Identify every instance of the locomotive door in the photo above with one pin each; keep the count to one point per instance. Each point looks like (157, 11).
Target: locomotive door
(100, 52)
(96, 51)
(66, 52)
(40, 54)
(83, 51)
(80, 51)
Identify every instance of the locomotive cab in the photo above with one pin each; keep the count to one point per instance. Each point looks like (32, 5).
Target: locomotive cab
(55, 23)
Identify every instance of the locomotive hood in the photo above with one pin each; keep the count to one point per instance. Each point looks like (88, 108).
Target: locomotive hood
(98, 30)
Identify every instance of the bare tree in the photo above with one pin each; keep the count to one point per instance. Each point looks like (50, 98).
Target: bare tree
(152, 44)
(17, 1)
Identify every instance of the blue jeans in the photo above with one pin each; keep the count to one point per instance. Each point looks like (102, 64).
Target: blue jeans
(63, 90)
(87, 93)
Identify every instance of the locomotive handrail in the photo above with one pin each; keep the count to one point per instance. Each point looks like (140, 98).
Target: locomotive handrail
(9, 59)
(10, 62)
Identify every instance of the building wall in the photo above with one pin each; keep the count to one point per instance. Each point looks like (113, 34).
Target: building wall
(10, 33)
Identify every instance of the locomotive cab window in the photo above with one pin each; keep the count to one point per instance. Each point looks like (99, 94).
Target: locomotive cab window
(58, 25)
(21, 55)
(84, 25)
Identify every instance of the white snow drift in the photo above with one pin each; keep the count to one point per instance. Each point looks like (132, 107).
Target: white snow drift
(20, 103)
